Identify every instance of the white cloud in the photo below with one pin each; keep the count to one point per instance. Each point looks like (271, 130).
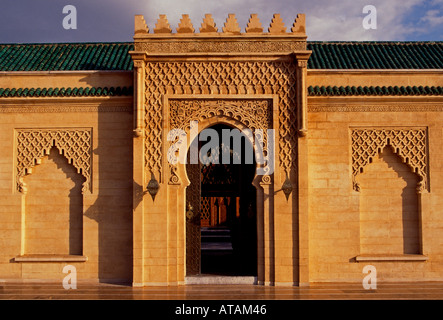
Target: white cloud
(433, 18)
(326, 20)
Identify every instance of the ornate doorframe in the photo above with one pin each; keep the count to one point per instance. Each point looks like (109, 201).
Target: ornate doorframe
(223, 74)
(258, 112)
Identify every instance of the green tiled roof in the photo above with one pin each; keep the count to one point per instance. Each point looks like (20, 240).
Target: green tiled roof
(67, 56)
(325, 55)
(65, 92)
(376, 55)
(373, 91)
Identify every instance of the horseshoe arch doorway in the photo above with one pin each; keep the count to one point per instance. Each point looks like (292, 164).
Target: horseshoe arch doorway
(221, 210)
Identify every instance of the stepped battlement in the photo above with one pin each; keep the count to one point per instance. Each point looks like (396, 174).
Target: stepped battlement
(230, 40)
(231, 27)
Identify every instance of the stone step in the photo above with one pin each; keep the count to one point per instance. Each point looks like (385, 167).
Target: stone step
(216, 239)
(215, 231)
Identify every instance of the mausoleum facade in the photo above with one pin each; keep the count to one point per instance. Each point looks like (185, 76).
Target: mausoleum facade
(346, 136)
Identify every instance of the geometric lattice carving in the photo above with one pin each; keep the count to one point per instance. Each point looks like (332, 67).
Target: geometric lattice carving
(206, 209)
(34, 144)
(409, 144)
(259, 46)
(272, 77)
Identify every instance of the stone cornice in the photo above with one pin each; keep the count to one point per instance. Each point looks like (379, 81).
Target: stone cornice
(66, 104)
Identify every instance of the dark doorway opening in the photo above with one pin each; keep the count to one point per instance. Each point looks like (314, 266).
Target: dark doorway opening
(226, 215)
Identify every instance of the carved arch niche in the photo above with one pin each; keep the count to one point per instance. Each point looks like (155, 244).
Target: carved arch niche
(73, 144)
(410, 147)
(34, 144)
(410, 144)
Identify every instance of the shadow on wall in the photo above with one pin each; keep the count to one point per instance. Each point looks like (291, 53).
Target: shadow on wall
(110, 204)
(392, 187)
(409, 205)
(54, 207)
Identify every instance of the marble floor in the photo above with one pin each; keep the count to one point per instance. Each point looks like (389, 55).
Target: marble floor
(330, 291)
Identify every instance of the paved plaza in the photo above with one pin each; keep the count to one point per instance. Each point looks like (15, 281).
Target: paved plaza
(102, 291)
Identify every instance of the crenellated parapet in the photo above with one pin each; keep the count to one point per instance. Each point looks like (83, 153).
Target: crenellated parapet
(187, 38)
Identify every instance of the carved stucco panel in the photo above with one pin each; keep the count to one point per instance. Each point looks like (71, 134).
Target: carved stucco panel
(254, 114)
(34, 144)
(410, 144)
(230, 78)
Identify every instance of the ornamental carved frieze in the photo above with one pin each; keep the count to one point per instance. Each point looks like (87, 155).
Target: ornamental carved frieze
(34, 144)
(163, 46)
(220, 78)
(410, 144)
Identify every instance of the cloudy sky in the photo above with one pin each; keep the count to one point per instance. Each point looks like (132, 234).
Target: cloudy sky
(40, 21)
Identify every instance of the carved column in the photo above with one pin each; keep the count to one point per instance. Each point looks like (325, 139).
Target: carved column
(267, 212)
(139, 186)
(302, 94)
(139, 94)
(302, 164)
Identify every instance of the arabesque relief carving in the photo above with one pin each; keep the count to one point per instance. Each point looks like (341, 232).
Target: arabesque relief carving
(255, 78)
(254, 114)
(209, 60)
(34, 144)
(409, 144)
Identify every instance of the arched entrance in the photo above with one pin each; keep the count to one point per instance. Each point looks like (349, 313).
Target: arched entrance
(253, 81)
(221, 235)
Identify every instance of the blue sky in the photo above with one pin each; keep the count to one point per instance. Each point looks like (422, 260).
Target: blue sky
(38, 21)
